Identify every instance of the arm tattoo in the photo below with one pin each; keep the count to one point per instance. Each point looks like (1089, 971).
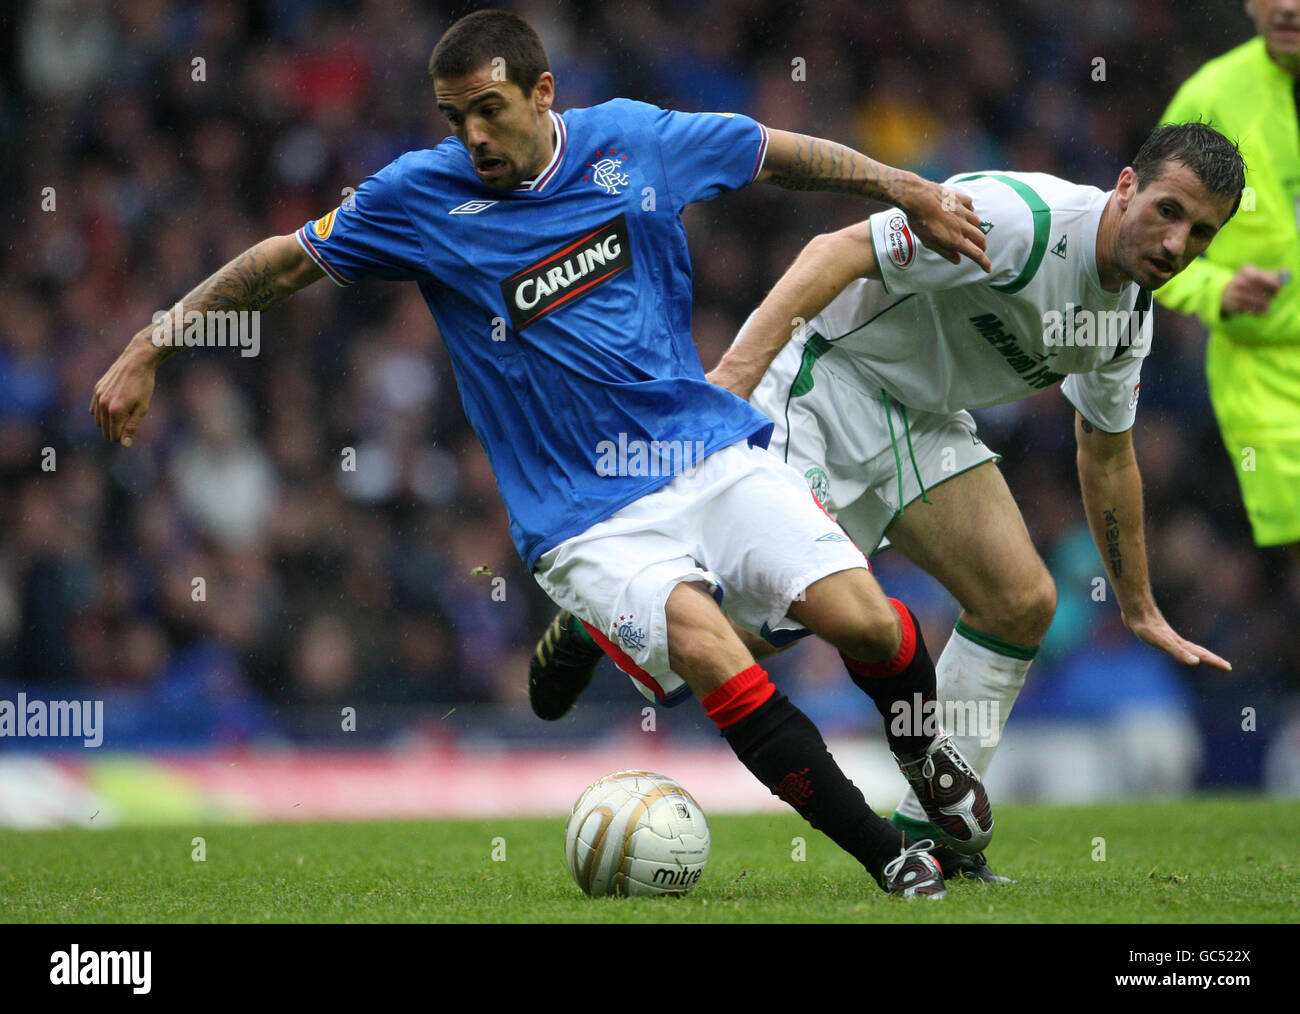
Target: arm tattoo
(818, 164)
(246, 283)
(1087, 426)
(1112, 542)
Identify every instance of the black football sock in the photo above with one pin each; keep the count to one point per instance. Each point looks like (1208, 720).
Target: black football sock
(783, 749)
(903, 688)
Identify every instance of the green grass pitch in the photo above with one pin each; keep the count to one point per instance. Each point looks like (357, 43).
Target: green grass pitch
(1208, 860)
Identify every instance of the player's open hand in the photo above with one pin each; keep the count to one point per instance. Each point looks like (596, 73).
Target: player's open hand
(123, 393)
(1157, 632)
(945, 221)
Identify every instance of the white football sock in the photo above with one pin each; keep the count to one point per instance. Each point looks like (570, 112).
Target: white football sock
(978, 681)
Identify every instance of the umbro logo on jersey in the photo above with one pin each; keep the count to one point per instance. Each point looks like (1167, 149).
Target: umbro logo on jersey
(571, 271)
(1059, 249)
(472, 207)
(985, 227)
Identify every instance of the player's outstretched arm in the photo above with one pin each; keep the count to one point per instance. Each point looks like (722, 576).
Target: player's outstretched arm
(942, 219)
(1112, 499)
(258, 278)
(820, 273)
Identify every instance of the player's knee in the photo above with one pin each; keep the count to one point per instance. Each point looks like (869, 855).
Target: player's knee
(872, 634)
(1023, 612)
(849, 611)
(691, 648)
(701, 642)
(691, 642)
(1039, 606)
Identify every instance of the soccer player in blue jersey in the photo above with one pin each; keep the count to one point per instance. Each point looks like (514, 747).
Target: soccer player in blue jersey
(550, 251)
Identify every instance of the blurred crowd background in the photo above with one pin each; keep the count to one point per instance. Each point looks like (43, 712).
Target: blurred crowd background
(324, 587)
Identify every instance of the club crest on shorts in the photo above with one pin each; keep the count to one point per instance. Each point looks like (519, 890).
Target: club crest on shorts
(607, 172)
(632, 636)
(819, 482)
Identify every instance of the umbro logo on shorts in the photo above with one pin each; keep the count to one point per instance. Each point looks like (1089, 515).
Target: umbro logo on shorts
(833, 537)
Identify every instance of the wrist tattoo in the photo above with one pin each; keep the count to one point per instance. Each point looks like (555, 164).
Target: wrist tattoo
(1116, 559)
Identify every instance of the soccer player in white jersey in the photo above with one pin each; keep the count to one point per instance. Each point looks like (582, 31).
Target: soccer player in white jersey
(870, 400)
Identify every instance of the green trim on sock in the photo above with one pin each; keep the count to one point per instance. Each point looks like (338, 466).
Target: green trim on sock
(995, 643)
(581, 632)
(918, 829)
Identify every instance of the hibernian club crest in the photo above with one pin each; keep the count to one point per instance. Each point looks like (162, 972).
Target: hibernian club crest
(819, 482)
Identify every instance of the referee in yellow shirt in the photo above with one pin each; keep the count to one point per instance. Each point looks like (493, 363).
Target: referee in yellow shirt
(1242, 288)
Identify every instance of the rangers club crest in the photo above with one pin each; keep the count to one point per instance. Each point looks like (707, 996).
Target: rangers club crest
(607, 172)
(795, 788)
(633, 637)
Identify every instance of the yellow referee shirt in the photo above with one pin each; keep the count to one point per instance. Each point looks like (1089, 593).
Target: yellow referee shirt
(1253, 362)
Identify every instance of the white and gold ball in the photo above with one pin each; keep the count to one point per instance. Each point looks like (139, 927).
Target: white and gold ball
(636, 834)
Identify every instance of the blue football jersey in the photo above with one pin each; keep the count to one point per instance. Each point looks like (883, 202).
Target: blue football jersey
(565, 305)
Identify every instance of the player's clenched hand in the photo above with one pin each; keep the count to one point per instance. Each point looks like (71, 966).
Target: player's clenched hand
(1156, 632)
(945, 221)
(123, 393)
(1250, 291)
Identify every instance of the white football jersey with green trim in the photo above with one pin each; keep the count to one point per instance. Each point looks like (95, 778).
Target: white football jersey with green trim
(940, 337)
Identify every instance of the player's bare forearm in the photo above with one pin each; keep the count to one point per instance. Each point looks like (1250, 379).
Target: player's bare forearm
(1112, 499)
(1111, 485)
(800, 162)
(820, 273)
(257, 279)
(943, 220)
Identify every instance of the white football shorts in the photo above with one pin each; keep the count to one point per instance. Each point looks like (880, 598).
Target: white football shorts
(742, 522)
(837, 435)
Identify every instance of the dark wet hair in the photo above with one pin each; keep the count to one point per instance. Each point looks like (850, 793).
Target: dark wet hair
(477, 39)
(1215, 160)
